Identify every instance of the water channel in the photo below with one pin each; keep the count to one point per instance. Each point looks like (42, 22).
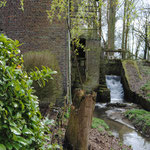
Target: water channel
(123, 130)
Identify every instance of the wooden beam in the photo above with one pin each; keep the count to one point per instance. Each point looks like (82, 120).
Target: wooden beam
(115, 51)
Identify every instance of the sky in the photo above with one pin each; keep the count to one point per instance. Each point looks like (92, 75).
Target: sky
(119, 25)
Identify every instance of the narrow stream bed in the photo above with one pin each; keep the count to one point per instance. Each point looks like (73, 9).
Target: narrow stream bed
(126, 133)
(120, 129)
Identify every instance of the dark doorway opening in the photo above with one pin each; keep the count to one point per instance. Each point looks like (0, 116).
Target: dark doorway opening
(80, 49)
(78, 63)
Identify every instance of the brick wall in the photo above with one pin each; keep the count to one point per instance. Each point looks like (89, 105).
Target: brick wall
(33, 28)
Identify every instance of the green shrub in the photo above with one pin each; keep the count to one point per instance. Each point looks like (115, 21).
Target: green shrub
(21, 127)
(53, 88)
(98, 123)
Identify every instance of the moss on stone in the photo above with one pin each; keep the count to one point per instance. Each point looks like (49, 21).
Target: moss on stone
(140, 118)
(134, 64)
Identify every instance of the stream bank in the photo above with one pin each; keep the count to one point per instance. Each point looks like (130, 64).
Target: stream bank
(105, 141)
(140, 119)
(135, 76)
(121, 127)
(113, 114)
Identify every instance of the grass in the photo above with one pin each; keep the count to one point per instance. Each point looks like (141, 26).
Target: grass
(146, 89)
(139, 116)
(99, 124)
(146, 86)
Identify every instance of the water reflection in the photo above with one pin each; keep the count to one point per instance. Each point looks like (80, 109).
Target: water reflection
(127, 135)
(137, 142)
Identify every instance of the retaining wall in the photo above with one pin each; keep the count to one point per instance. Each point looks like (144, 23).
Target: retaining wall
(130, 94)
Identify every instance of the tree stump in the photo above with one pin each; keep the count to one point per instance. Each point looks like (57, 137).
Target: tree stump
(76, 137)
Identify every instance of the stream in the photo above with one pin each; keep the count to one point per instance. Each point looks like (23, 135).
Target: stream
(112, 116)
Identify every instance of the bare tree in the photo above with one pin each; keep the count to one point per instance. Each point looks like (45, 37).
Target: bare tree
(112, 4)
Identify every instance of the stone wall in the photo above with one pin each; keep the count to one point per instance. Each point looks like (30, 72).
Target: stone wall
(130, 94)
(32, 28)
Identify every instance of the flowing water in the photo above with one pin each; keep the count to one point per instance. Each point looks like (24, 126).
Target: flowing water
(116, 89)
(125, 131)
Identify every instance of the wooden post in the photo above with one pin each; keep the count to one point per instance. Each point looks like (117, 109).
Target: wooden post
(76, 137)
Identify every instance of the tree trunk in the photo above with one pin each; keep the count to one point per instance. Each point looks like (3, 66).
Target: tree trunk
(124, 22)
(100, 28)
(126, 34)
(146, 41)
(76, 137)
(111, 24)
(137, 50)
(133, 41)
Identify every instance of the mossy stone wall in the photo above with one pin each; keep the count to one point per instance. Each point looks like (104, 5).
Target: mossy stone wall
(130, 95)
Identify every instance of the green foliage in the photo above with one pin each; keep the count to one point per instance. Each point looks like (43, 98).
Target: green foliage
(81, 14)
(3, 3)
(146, 90)
(21, 127)
(99, 124)
(53, 88)
(146, 86)
(22, 5)
(67, 113)
(140, 116)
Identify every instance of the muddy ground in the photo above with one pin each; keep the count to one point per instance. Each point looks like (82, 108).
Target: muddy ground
(98, 140)
(105, 141)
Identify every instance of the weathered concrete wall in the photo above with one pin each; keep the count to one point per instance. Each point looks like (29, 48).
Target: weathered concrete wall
(92, 64)
(32, 28)
(113, 67)
(130, 94)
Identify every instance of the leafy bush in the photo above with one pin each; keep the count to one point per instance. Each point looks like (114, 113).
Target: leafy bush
(53, 88)
(21, 127)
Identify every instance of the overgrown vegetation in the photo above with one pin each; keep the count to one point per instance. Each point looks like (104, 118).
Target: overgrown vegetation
(3, 3)
(146, 90)
(140, 118)
(53, 88)
(21, 127)
(99, 124)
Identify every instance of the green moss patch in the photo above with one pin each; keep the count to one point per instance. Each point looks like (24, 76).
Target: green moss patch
(146, 90)
(99, 124)
(140, 118)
